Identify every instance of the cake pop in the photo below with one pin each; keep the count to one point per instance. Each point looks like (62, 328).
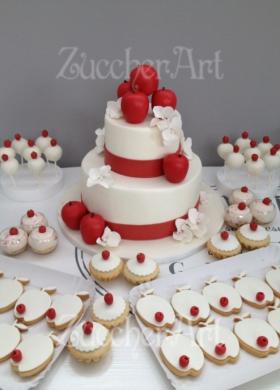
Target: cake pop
(53, 152)
(265, 145)
(252, 150)
(7, 149)
(30, 148)
(43, 141)
(36, 164)
(244, 141)
(19, 144)
(225, 148)
(255, 165)
(271, 160)
(9, 166)
(235, 159)
(277, 148)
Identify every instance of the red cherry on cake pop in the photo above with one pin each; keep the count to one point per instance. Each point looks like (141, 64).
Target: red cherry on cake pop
(53, 142)
(30, 143)
(254, 157)
(88, 327)
(72, 213)
(262, 341)
(92, 227)
(242, 206)
(184, 361)
(30, 213)
(17, 137)
(224, 301)
(260, 296)
(273, 151)
(224, 235)
(105, 255)
(267, 201)
(225, 139)
(194, 311)
(164, 98)
(245, 135)
(144, 78)
(45, 133)
(16, 355)
(266, 139)
(20, 308)
(7, 143)
(220, 349)
(42, 229)
(244, 189)
(123, 88)
(277, 147)
(34, 155)
(175, 167)
(5, 157)
(140, 257)
(253, 143)
(135, 107)
(13, 231)
(253, 226)
(236, 149)
(51, 313)
(159, 316)
(108, 298)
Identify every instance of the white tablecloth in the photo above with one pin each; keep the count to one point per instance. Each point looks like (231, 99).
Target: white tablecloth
(131, 364)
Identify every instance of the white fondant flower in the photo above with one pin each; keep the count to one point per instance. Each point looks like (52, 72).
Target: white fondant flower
(101, 176)
(109, 238)
(183, 232)
(100, 140)
(193, 226)
(203, 197)
(113, 109)
(187, 148)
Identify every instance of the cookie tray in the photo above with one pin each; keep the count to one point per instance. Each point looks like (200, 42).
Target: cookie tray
(248, 367)
(39, 277)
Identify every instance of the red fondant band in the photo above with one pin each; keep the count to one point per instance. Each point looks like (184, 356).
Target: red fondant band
(134, 168)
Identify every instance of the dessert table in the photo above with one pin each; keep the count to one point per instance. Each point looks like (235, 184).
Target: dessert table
(131, 363)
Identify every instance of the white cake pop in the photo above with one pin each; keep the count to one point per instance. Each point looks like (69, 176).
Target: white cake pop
(53, 152)
(19, 143)
(43, 141)
(36, 164)
(235, 159)
(7, 149)
(252, 150)
(224, 148)
(277, 147)
(244, 141)
(271, 160)
(255, 165)
(9, 165)
(30, 148)
(265, 145)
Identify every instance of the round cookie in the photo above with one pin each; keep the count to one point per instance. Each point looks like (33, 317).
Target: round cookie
(263, 211)
(252, 236)
(242, 194)
(13, 241)
(237, 215)
(110, 310)
(105, 266)
(272, 278)
(273, 319)
(181, 355)
(223, 245)
(31, 220)
(89, 342)
(140, 269)
(43, 240)
(10, 291)
(255, 292)
(190, 306)
(10, 338)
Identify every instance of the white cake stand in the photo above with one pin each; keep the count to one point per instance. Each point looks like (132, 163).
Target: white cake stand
(163, 250)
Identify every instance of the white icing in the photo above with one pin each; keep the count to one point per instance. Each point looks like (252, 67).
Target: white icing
(250, 151)
(89, 343)
(224, 150)
(13, 243)
(257, 235)
(264, 147)
(43, 142)
(29, 224)
(53, 153)
(234, 160)
(211, 335)
(109, 312)
(173, 347)
(19, 145)
(248, 287)
(36, 165)
(214, 291)
(10, 291)
(10, 167)
(141, 269)
(98, 263)
(67, 308)
(9, 339)
(43, 241)
(237, 216)
(225, 245)
(274, 319)
(255, 167)
(273, 279)
(249, 329)
(263, 213)
(243, 143)
(150, 304)
(8, 151)
(27, 152)
(182, 302)
(36, 302)
(238, 196)
(271, 161)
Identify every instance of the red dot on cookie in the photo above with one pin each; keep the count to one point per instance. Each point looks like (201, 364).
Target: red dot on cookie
(245, 135)
(105, 255)
(253, 226)
(224, 235)
(42, 229)
(140, 257)
(242, 206)
(220, 349)
(262, 341)
(13, 231)
(184, 361)
(30, 213)
(20, 308)
(244, 189)
(16, 355)
(254, 157)
(45, 133)
(194, 311)
(266, 139)
(225, 139)
(260, 296)
(236, 148)
(108, 298)
(159, 316)
(266, 201)
(224, 301)
(51, 313)
(88, 327)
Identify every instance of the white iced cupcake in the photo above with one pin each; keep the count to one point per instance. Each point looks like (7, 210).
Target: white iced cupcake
(237, 215)
(13, 241)
(140, 269)
(263, 211)
(223, 245)
(32, 219)
(105, 266)
(252, 236)
(43, 239)
(242, 194)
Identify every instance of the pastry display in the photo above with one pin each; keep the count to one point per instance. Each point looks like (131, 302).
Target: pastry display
(10, 338)
(105, 265)
(253, 236)
(10, 291)
(13, 241)
(140, 269)
(263, 211)
(43, 240)
(111, 310)
(272, 278)
(31, 220)
(241, 195)
(237, 215)
(223, 245)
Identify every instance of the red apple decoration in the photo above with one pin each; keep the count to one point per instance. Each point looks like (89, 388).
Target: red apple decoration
(123, 88)
(144, 78)
(175, 167)
(72, 213)
(164, 98)
(135, 107)
(92, 226)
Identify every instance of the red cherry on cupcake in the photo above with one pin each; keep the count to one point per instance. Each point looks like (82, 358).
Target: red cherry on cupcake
(123, 88)
(224, 301)
(220, 349)
(72, 213)
(135, 107)
(88, 327)
(225, 139)
(140, 257)
(16, 355)
(92, 227)
(45, 133)
(242, 206)
(164, 98)
(13, 231)
(253, 226)
(175, 167)
(194, 311)
(224, 235)
(108, 298)
(42, 229)
(184, 361)
(267, 201)
(105, 255)
(262, 341)
(144, 78)
(159, 316)
(20, 308)
(260, 296)
(51, 313)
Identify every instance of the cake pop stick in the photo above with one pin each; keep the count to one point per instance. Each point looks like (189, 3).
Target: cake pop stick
(53, 152)
(9, 166)
(19, 144)
(36, 164)
(43, 141)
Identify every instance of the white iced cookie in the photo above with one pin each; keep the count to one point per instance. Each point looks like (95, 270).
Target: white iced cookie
(242, 194)
(13, 241)
(105, 265)
(43, 141)
(32, 219)
(33, 354)
(32, 305)
(265, 145)
(181, 355)
(43, 240)
(244, 141)
(273, 317)
(9, 339)
(110, 310)
(155, 312)
(225, 148)
(31, 147)
(190, 306)
(10, 291)
(256, 336)
(19, 143)
(223, 298)
(237, 215)
(140, 269)
(263, 211)
(223, 245)
(218, 343)
(272, 278)
(255, 292)
(253, 236)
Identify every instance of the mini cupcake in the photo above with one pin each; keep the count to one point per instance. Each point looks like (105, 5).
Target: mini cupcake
(263, 211)
(223, 245)
(105, 266)
(242, 194)
(43, 239)
(140, 269)
(110, 310)
(237, 215)
(89, 342)
(13, 241)
(31, 220)
(252, 236)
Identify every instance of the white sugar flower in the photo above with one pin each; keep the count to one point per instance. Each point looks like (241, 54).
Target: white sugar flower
(101, 176)
(100, 140)
(183, 232)
(109, 238)
(203, 198)
(113, 109)
(193, 226)
(187, 148)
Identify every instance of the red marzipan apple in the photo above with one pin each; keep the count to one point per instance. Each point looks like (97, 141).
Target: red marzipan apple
(144, 78)
(164, 98)
(123, 88)
(135, 106)
(92, 226)
(175, 167)
(72, 213)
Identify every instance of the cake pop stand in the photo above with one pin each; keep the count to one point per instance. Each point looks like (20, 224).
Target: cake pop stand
(163, 250)
(28, 188)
